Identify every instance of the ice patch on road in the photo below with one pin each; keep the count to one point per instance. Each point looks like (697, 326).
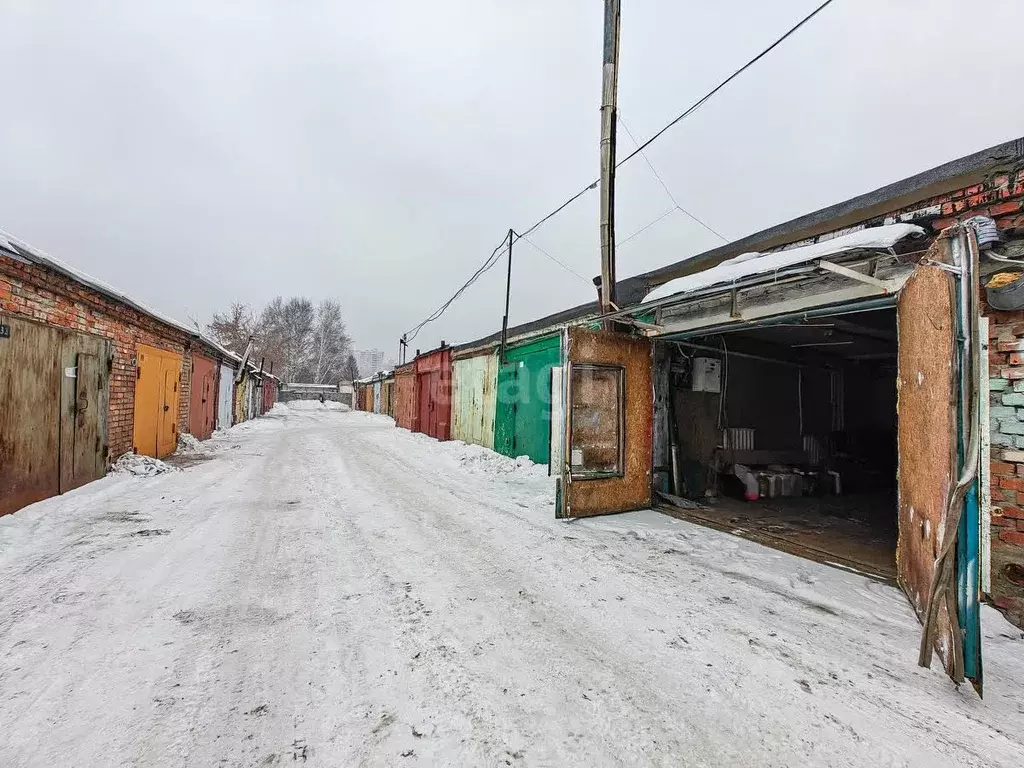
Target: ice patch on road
(141, 466)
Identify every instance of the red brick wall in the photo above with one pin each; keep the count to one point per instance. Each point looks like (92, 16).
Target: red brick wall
(1001, 196)
(1006, 382)
(39, 294)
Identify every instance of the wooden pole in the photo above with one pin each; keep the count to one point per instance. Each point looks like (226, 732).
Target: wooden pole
(609, 115)
(508, 295)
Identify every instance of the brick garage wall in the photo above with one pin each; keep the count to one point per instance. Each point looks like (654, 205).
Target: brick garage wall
(39, 294)
(1000, 196)
(1006, 411)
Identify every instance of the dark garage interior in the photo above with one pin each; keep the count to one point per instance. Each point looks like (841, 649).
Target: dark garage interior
(786, 433)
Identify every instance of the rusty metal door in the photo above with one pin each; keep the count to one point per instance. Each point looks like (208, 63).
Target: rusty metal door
(927, 392)
(421, 420)
(29, 413)
(202, 404)
(609, 424)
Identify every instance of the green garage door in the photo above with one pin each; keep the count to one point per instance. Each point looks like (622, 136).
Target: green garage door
(522, 425)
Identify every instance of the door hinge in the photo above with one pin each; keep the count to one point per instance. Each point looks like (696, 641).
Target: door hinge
(138, 374)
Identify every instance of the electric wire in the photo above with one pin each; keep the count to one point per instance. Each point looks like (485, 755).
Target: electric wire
(664, 186)
(706, 97)
(492, 259)
(562, 264)
(647, 226)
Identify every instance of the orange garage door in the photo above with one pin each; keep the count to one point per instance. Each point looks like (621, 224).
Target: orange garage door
(156, 401)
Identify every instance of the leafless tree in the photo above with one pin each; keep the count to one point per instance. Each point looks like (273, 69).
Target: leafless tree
(330, 344)
(304, 342)
(234, 327)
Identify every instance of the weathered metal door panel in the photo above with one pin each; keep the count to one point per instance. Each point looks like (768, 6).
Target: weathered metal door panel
(533, 414)
(609, 424)
(225, 397)
(405, 398)
(203, 403)
(421, 418)
(83, 422)
(148, 384)
(473, 399)
(505, 409)
(927, 392)
(524, 400)
(29, 433)
(167, 430)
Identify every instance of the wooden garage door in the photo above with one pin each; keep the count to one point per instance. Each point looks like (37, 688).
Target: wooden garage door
(83, 409)
(54, 390)
(29, 414)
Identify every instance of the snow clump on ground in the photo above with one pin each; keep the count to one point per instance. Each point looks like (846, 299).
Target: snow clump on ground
(315, 405)
(474, 458)
(188, 443)
(141, 466)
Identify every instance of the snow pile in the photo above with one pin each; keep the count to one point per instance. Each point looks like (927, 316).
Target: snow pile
(141, 466)
(188, 443)
(279, 409)
(316, 405)
(476, 459)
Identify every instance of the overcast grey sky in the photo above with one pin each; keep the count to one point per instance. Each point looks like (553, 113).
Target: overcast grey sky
(195, 152)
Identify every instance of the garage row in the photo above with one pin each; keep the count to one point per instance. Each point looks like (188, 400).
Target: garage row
(839, 387)
(89, 374)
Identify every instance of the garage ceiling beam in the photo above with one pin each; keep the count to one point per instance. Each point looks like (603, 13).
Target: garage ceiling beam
(838, 269)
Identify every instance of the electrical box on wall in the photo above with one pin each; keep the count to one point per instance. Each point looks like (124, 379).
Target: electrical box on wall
(707, 374)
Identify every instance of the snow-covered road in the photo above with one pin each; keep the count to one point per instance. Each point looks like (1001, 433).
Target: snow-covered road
(322, 587)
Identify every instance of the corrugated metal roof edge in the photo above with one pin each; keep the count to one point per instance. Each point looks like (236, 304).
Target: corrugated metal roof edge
(528, 330)
(931, 183)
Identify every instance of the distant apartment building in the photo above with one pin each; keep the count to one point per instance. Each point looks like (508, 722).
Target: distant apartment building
(370, 361)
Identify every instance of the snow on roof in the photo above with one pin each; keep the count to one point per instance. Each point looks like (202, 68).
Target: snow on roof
(220, 348)
(748, 264)
(23, 250)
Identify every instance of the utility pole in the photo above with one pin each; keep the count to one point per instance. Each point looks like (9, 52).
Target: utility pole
(508, 295)
(609, 121)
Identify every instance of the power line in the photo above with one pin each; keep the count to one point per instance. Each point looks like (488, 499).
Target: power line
(493, 258)
(686, 113)
(562, 264)
(644, 228)
(700, 102)
(488, 264)
(665, 187)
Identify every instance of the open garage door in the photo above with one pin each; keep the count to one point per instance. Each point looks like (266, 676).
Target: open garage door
(931, 448)
(609, 417)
